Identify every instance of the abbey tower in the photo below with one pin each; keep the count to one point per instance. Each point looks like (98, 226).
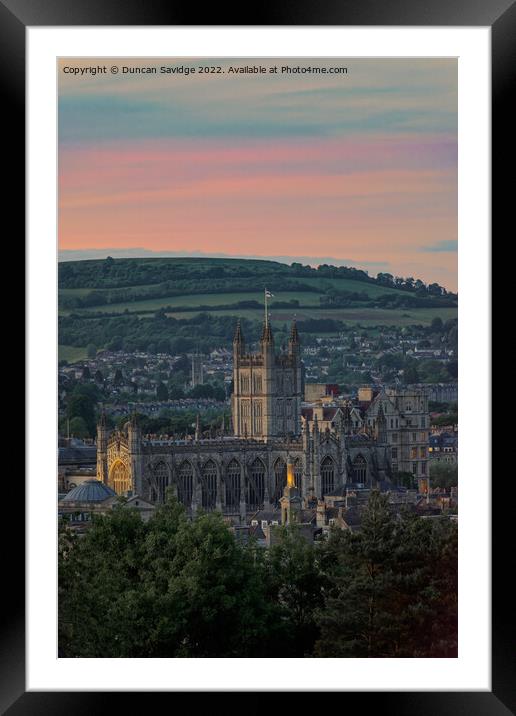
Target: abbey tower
(267, 387)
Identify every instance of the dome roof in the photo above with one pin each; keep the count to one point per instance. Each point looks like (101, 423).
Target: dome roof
(89, 491)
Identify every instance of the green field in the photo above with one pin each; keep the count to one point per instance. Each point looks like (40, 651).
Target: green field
(71, 354)
(204, 299)
(139, 288)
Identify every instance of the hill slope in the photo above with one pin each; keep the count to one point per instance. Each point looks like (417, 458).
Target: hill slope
(176, 305)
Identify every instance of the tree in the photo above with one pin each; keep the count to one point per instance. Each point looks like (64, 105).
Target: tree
(354, 621)
(175, 392)
(161, 391)
(78, 428)
(91, 350)
(443, 475)
(182, 365)
(165, 588)
(393, 587)
(81, 404)
(296, 584)
(437, 325)
(410, 372)
(405, 479)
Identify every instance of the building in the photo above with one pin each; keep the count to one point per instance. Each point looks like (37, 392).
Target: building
(76, 463)
(318, 391)
(404, 411)
(93, 497)
(197, 370)
(443, 448)
(246, 471)
(267, 387)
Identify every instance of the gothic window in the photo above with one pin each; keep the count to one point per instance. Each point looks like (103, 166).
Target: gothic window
(256, 484)
(209, 485)
(280, 479)
(360, 468)
(233, 484)
(257, 419)
(119, 479)
(327, 475)
(185, 483)
(159, 484)
(297, 472)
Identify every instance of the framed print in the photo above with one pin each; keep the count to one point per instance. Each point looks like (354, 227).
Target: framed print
(245, 247)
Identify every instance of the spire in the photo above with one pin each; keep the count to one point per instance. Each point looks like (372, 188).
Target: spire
(239, 336)
(198, 427)
(294, 334)
(381, 425)
(267, 336)
(293, 341)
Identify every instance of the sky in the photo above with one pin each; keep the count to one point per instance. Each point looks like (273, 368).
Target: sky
(357, 169)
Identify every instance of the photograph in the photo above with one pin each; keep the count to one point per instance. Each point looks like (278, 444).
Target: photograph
(257, 408)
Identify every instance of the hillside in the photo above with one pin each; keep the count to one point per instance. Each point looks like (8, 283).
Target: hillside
(183, 301)
(146, 285)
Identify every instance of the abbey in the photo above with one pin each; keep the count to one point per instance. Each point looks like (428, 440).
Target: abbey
(245, 471)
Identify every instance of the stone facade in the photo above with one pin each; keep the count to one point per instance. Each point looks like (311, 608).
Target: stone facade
(267, 392)
(407, 427)
(247, 471)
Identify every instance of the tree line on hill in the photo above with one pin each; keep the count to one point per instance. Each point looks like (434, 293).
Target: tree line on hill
(214, 275)
(159, 333)
(174, 587)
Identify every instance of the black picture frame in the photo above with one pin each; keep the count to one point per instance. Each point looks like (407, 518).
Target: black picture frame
(15, 16)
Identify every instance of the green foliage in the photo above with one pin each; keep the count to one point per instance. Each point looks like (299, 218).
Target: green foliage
(405, 479)
(179, 422)
(168, 588)
(443, 475)
(295, 583)
(161, 391)
(446, 419)
(171, 587)
(124, 304)
(78, 428)
(393, 588)
(81, 404)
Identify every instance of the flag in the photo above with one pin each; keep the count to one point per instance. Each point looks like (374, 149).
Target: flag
(269, 294)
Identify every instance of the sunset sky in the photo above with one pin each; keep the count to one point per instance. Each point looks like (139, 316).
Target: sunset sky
(357, 169)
